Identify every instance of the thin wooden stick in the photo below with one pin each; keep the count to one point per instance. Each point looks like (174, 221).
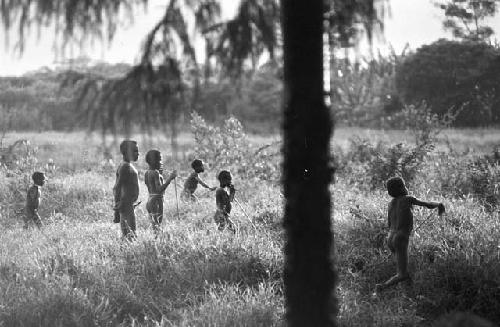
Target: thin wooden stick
(244, 213)
(176, 199)
(423, 222)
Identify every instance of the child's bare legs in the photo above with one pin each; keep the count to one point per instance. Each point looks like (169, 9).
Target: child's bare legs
(398, 243)
(127, 221)
(222, 220)
(32, 217)
(155, 210)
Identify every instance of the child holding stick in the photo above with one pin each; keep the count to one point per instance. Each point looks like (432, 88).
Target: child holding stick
(223, 201)
(156, 187)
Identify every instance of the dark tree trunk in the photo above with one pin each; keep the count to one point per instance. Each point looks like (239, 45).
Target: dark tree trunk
(309, 274)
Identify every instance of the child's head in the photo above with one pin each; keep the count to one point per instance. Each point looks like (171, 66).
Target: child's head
(129, 150)
(38, 178)
(198, 166)
(225, 178)
(154, 159)
(396, 187)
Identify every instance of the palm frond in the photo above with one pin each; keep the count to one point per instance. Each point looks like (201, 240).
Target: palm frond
(73, 20)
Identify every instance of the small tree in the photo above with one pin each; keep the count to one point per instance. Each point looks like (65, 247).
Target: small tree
(465, 18)
(454, 75)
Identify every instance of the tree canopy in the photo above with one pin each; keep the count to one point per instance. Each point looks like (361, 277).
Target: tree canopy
(452, 75)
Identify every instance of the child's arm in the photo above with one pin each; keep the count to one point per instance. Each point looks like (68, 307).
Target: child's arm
(429, 205)
(202, 183)
(169, 179)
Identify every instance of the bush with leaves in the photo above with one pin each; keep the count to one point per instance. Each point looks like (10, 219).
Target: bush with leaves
(228, 147)
(464, 175)
(372, 164)
(420, 121)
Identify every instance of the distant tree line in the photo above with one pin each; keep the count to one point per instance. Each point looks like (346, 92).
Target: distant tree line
(461, 77)
(45, 100)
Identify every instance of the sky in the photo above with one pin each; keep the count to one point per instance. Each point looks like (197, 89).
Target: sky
(415, 22)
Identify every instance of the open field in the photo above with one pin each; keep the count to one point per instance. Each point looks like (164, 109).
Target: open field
(77, 272)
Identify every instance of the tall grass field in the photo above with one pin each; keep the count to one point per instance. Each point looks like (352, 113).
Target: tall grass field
(76, 270)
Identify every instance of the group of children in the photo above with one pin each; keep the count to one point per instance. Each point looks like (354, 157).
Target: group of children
(126, 190)
(126, 193)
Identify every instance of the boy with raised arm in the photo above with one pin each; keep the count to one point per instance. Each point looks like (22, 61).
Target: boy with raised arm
(33, 200)
(126, 189)
(400, 221)
(156, 187)
(193, 180)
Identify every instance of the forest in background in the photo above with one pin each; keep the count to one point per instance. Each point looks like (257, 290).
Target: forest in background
(457, 79)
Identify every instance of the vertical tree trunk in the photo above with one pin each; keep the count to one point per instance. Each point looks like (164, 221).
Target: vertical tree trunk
(309, 274)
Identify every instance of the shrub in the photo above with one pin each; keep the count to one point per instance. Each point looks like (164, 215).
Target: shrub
(420, 121)
(374, 164)
(227, 147)
(476, 176)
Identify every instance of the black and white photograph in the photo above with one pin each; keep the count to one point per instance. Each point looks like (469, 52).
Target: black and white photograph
(264, 163)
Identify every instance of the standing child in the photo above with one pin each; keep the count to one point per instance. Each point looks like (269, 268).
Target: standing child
(193, 180)
(156, 187)
(33, 200)
(400, 220)
(126, 189)
(223, 201)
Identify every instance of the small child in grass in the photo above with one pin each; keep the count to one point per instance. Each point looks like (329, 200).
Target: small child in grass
(193, 180)
(400, 220)
(156, 187)
(33, 200)
(223, 201)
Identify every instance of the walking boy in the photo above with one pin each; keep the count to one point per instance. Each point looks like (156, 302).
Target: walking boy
(33, 200)
(126, 189)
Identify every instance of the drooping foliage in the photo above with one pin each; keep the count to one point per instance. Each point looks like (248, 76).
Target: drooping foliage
(74, 21)
(153, 92)
(349, 20)
(248, 35)
(452, 75)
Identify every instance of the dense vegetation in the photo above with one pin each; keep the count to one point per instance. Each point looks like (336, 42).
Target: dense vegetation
(457, 76)
(77, 272)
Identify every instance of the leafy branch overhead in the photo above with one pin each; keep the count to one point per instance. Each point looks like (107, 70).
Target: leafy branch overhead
(147, 95)
(167, 74)
(74, 21)
(168, 62)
